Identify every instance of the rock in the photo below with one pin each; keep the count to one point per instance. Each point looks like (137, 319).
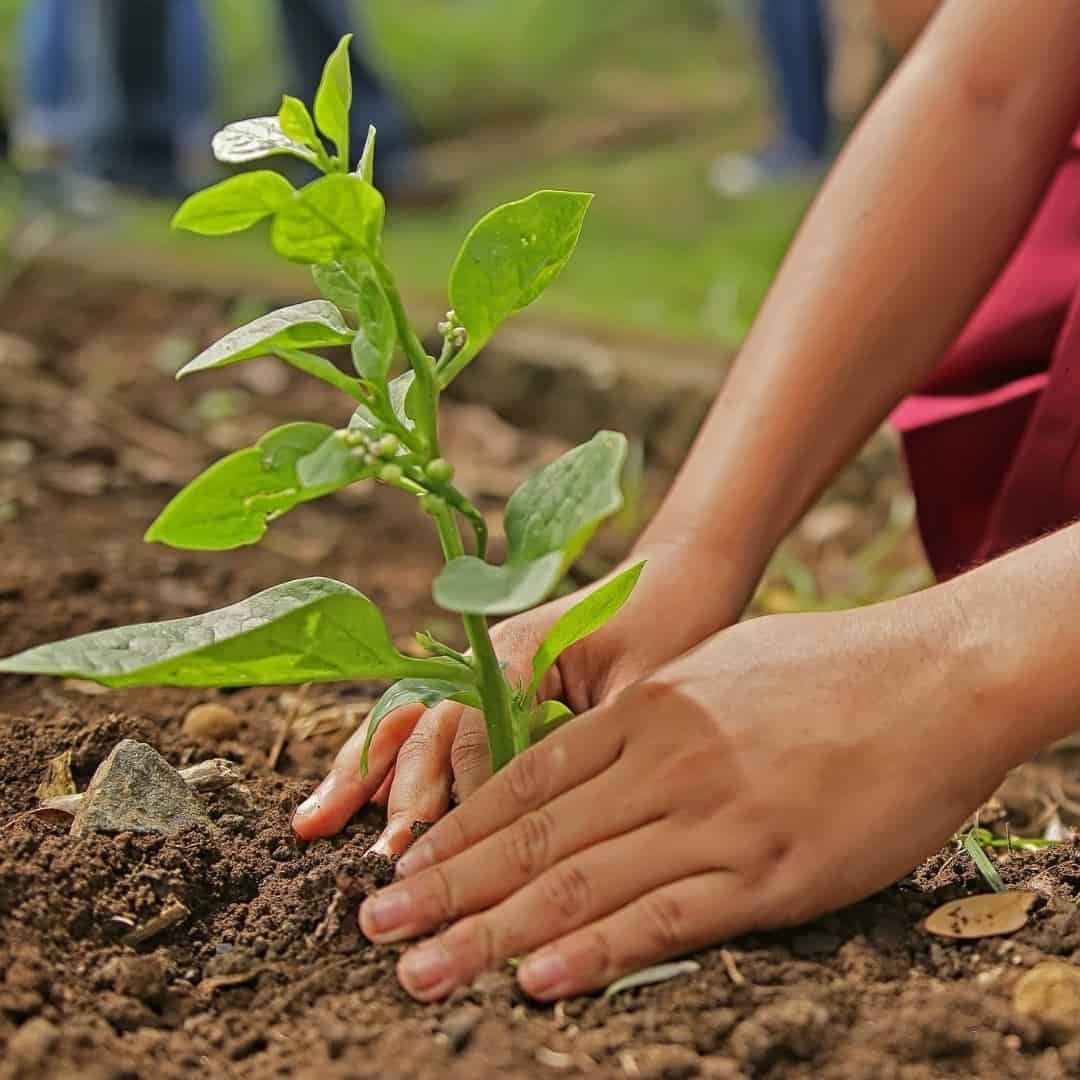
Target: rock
(136, 790)
(211, 721)
(140, 976)
(459, 1026)
(1050, 994)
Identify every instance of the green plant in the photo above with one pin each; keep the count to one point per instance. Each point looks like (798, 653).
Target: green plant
(317, 629)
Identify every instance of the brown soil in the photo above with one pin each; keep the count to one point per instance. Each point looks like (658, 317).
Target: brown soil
(268, 976)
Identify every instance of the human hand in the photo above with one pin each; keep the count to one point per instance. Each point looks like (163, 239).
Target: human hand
(786, 767)
(417, 755)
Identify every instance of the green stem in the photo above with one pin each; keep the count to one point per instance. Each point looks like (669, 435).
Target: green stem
(479, 526)
(453, 368)
(426, 387)
(494, 692)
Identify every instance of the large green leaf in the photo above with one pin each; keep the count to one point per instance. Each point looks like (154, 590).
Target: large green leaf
(314, 324)
(230, 504)
(259, 137)
(339, 281)
(234, 204)
(296, 123)
(336, 215)
(427, 692)
(511, 255)
(559, 507)
(472, 586)
(312, 630)
(333, 99)
(581, 620)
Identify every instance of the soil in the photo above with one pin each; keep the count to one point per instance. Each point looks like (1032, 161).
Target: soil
(266, 974)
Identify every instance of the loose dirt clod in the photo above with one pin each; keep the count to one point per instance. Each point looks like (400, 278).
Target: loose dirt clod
(1050, 994)
(136, 790)
(988, 915)
(211, 720)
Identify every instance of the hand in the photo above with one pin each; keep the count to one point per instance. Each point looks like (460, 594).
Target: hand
(418, 754)
(786, 767)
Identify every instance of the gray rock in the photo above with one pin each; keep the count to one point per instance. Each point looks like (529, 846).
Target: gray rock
(136, 790)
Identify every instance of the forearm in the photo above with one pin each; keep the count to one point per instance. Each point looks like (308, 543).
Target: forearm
(1015, 645)
(917, 219)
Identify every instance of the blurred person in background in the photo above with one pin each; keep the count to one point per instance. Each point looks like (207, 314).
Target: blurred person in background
(794, 36)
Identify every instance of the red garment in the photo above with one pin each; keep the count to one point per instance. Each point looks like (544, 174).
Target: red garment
(993, 438)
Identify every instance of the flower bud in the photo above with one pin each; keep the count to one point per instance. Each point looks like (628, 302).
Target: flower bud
(388, 446)
(439, 470)
(391, 474)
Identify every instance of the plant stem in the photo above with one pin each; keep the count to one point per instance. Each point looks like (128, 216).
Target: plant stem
(494, 692)
(421, 363)
(454, 367)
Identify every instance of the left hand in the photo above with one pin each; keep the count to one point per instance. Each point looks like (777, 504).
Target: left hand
(786, 767)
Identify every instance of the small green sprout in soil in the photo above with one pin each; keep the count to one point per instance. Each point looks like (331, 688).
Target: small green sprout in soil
(316, 629)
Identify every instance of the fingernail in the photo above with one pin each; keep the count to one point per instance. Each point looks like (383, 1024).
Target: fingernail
(427, 970)
(418, 857)
(542, 975)
(307, 807)
(388, 912)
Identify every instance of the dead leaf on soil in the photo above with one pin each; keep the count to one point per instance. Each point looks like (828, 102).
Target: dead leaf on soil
(58, 779)
(237, 978)
(982, 916)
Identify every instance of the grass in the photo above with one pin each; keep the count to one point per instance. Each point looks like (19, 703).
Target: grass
(687, 264)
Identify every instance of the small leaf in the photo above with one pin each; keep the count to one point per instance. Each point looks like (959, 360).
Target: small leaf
(510, 256)
(333, 99)
(547, 717)
(312, 630)
(296, 123)
(376, 335)
(472, 586)
(234, 204)
(986, 915)
(647, 976)
(366, 167)
(259, 137)
(983, 863)
(339, 281)
(231, 503)
(398, 395)
(559, 507)
(582, 619)
(427, 692)
(321, 368)
(333, 216)
(311, 325)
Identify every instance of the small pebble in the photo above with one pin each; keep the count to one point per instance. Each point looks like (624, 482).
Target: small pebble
(211, 720)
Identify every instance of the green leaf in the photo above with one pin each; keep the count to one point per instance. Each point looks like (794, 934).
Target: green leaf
(333, 216)
(427, 692)
(331, 465)
(398, 395)
(334, 98)
(339, 281)
(559, 507)
(311, 325)
(585, 617)
(366, 167)
(376, 334)
(982, 862)
(312, 630)
(547, 717)
(321, 368)
(472, 586)
(296, 123)
(230, 504)
(259, 137)
(510, 256)
(234, 204)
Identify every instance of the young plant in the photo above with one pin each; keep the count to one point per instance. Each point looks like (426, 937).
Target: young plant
(315, 629)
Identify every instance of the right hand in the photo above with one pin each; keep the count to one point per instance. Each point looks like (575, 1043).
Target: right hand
(418, 754)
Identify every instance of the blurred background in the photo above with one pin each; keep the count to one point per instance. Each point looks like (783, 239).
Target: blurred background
(703, 127)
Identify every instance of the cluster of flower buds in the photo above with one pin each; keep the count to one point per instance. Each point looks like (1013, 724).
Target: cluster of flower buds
(371, 449)
(452, 330)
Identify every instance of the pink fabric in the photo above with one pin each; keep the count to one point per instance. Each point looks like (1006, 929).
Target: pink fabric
(993, 438)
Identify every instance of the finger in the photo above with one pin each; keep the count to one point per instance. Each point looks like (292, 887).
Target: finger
(579, 890)
(344, 790)
(532, 854)
(469, 756)
(570, 757)
(382, 796)
(422, 778)
(669, 921)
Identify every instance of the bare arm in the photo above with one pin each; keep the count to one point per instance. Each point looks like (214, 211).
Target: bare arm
(917, 219)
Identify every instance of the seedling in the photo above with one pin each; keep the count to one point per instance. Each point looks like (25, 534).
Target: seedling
(316, 629)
